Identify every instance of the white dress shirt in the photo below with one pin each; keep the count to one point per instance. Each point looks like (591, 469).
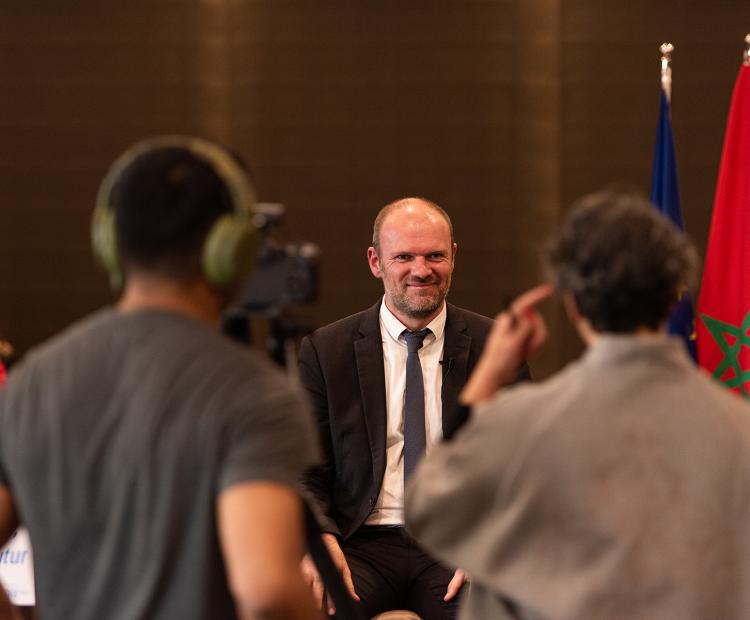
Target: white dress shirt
(389, 509)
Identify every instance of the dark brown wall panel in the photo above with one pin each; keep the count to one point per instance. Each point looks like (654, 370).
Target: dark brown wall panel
(502, 111)
(355, 106)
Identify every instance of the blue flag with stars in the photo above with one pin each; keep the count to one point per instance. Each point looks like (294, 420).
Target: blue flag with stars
(665, 195)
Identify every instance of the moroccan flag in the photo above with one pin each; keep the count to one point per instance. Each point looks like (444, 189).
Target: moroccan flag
(723, 324)
(665, 195)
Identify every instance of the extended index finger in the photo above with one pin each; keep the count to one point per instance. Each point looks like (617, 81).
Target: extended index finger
(528, 300)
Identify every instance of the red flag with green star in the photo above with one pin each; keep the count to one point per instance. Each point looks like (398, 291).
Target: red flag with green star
(723, 325)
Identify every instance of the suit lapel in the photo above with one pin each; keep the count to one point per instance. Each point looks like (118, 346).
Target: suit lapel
(368, 351)
(455, 368)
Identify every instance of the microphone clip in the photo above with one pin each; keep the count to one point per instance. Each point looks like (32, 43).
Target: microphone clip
(447, 364)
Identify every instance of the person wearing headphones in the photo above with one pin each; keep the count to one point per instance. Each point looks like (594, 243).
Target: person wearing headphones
(154, 461)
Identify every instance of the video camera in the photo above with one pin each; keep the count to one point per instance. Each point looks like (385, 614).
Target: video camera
(285, 275)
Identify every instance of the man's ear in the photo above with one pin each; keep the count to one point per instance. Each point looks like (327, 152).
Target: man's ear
(374, 261)
(454, 249)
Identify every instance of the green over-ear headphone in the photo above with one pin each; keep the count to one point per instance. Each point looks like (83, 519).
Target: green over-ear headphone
(231, 246)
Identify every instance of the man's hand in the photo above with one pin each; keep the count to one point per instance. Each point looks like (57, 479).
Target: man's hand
(313, 577)
(517, 334)
(455, 585)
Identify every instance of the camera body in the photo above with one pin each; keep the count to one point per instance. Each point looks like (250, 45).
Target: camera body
(285, 274)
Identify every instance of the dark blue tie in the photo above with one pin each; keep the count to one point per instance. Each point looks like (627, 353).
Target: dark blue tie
(414, 432)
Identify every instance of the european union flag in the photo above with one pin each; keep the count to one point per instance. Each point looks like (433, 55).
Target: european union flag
(665, 195)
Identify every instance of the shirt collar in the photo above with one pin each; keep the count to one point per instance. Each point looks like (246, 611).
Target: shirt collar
(394, 327)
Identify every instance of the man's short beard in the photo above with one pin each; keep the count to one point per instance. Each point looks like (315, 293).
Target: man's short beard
(409, 308)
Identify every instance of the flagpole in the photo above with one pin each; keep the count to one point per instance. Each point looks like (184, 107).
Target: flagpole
(666, 50)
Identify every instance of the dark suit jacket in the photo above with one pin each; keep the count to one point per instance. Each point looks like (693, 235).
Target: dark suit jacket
(341, 365)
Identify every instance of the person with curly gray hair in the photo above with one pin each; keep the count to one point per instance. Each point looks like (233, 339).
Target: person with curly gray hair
(619, 488)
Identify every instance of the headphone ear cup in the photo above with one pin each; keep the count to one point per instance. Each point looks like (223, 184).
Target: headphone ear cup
(104, 243)
(230, 250)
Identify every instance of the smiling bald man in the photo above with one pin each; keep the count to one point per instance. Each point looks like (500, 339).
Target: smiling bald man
(384, 384)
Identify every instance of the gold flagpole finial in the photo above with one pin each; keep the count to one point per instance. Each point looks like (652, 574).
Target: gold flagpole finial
(746, 54)
(666, 50)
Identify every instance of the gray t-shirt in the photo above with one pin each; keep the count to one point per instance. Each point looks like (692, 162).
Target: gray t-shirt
(116, 438)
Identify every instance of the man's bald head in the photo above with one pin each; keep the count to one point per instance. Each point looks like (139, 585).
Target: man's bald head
(406, 204)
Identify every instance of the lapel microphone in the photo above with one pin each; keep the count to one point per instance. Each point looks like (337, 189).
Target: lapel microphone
(448, 363)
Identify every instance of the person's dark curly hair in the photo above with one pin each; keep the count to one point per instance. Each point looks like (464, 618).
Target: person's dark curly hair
(624, 263)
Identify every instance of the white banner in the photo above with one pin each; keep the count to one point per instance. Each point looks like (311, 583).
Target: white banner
(17, 569)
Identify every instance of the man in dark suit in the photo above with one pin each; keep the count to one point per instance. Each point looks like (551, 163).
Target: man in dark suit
(384, 384)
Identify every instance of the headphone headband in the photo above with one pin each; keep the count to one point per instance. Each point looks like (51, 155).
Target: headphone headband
(221, 162)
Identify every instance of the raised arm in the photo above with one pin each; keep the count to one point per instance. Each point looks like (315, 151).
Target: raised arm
(517, 334)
